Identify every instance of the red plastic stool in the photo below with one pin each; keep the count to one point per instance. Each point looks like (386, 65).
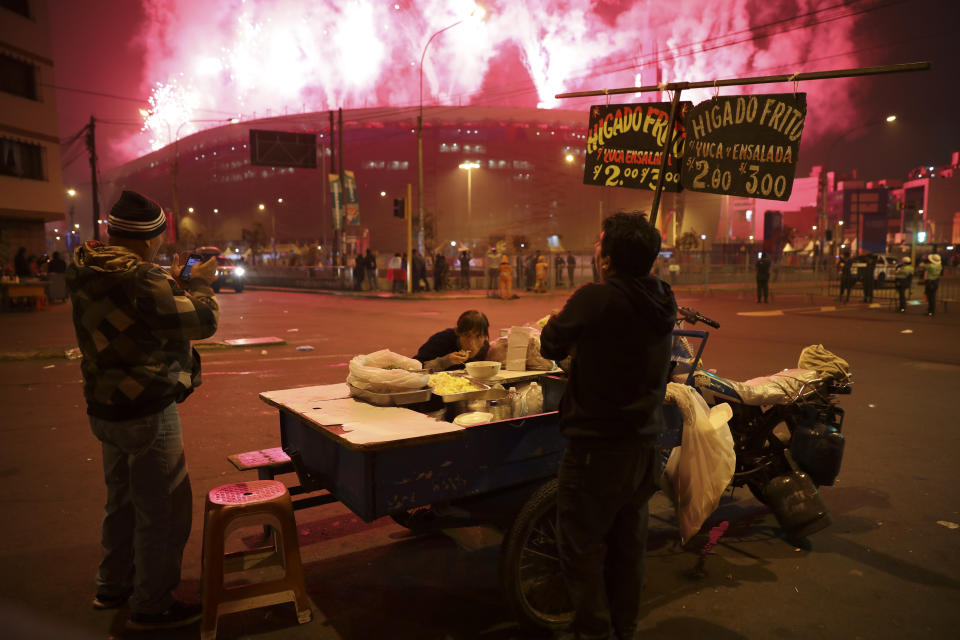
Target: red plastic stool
(229, 507)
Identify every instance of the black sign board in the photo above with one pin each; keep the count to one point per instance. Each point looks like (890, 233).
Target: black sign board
(283, 149)
(625, 142)
(744, 145)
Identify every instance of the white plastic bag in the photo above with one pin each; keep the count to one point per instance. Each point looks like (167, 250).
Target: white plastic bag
(386, 372)
(700, 469)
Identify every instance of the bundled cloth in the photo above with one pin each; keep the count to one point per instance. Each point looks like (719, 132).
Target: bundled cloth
(699, 470)
(386, 372)
(824, 362)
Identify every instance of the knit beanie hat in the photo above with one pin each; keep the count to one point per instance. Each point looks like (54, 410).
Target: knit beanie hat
(136, 216)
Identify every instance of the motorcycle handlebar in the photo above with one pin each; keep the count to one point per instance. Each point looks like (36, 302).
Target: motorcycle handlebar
(693, 316)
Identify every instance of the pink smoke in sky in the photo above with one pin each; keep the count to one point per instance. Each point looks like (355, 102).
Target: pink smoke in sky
(211, 60)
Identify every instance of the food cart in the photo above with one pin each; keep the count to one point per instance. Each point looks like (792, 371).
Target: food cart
(429, 474)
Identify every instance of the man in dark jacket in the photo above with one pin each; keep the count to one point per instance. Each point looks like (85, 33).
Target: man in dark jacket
(134, 323)
(867, 273)
(763, 278)
(619, 334)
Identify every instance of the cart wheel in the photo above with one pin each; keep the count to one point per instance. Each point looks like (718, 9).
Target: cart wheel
(530, 572)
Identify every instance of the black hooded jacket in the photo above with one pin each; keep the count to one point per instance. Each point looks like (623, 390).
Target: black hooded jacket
(619, 333)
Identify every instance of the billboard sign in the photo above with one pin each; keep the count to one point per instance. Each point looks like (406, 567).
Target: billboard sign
(283, 149)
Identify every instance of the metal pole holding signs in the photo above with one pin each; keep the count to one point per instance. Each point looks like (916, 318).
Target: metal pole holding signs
(668, 143)
(677, 87)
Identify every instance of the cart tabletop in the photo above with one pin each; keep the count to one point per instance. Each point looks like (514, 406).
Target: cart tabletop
(331, 410)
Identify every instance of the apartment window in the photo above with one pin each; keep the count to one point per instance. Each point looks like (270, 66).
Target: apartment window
(21, 160)
(17, 6)
(17, 77)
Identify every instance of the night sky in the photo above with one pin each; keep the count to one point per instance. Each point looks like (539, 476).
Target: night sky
(111, 48)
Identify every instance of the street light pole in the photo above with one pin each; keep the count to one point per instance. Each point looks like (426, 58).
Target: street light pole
(478, 12)
(469, 167)
(176, 161)
(821, 227)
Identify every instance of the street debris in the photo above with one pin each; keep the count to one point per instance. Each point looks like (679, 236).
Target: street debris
(263, 352)
(948, 525)
(73, 354)
(304, 347)
(907, 331)
(872, 406)
(49, 366)
(292, 330)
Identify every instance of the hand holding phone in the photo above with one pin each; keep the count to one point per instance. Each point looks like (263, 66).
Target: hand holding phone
(192, 259)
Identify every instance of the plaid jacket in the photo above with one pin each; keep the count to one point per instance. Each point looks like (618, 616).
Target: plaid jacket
(134, 324)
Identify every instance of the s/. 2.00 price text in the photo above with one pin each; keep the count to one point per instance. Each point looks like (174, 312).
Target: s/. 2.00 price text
(614, 175)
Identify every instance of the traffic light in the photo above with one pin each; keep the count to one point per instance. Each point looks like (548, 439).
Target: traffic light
(399, 210)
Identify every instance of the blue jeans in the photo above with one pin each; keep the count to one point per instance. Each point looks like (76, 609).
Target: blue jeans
(149, 512)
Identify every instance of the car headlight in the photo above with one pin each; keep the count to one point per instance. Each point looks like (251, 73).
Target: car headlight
(239, 271)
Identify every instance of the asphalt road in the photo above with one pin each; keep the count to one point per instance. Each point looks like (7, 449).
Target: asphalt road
(886, 568)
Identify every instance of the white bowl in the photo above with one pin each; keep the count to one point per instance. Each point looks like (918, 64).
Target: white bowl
(483, 369)
(473, 418)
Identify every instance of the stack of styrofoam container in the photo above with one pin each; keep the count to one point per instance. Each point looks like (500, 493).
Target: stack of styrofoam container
(517, 342)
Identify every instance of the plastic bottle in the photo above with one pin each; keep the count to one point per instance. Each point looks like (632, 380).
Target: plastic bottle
(534, 399)
(510, 403)
(493, 407)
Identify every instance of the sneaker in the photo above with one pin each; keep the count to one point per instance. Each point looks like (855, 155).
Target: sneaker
(179, 614)
(102, 601)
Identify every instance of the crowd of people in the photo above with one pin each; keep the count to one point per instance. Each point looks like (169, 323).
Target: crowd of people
(862, 269)
(530, 272)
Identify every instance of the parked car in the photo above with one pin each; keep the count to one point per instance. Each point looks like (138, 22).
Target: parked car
(884, 271)
(230, 273)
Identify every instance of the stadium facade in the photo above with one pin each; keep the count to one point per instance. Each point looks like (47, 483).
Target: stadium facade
(528, 186)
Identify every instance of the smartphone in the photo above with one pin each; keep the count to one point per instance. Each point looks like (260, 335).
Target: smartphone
(192, 259)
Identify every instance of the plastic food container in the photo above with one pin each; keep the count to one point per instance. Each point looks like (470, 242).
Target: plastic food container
(483, 369)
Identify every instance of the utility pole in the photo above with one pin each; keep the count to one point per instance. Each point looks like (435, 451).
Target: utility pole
(343, 192)
(408, 203)
(92, 148)
(335, 252)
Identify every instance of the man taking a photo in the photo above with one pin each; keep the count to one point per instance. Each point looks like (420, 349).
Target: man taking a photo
(134, 323)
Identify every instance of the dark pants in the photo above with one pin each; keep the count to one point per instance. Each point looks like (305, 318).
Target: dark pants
(763, 289)
(570, 275)
(846, 285)
(930, 290)
(903, 285)
(868, 289)
(602, 533)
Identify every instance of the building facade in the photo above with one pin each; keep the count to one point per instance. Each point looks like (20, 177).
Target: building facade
(31, 183)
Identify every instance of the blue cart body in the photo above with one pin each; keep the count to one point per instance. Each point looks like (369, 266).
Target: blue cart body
(381, 479)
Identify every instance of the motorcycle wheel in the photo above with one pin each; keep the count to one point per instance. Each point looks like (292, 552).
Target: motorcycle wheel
(530, 572)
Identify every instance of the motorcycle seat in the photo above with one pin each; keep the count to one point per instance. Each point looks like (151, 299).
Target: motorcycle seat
(781, 387)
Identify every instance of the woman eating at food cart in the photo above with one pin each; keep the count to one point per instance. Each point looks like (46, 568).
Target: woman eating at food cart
(451, 348)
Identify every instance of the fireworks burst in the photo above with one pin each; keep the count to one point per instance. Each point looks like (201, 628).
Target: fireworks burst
(268, 57)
